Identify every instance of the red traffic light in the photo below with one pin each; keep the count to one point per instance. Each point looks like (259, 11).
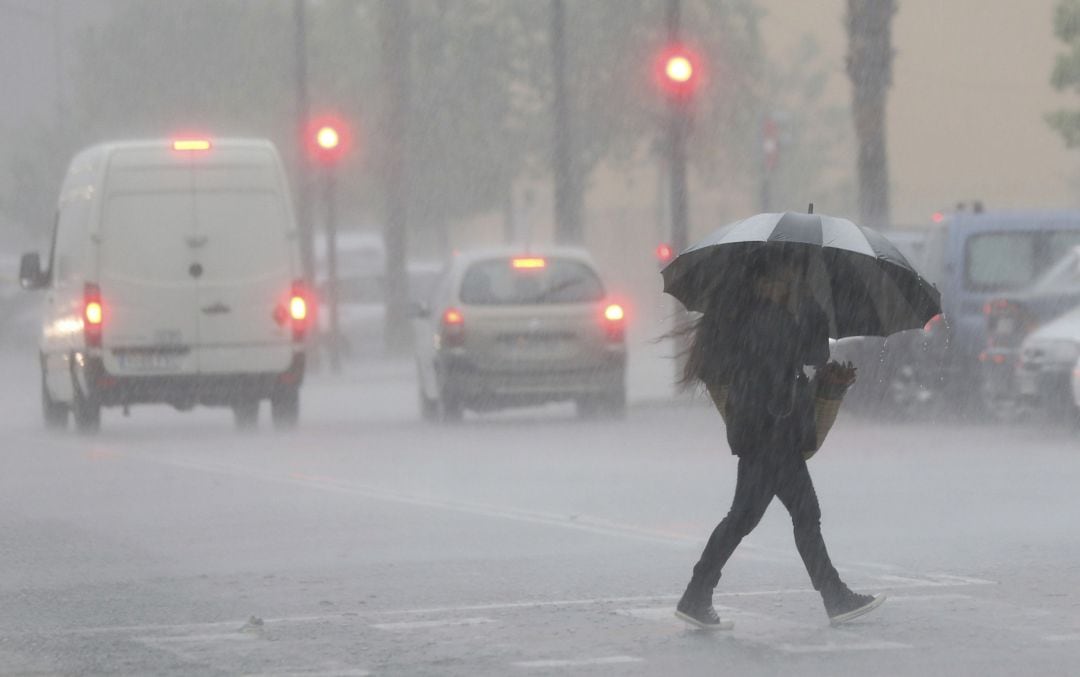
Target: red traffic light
(678, 71)
(664, 252)
(678, 68)
(327, 139)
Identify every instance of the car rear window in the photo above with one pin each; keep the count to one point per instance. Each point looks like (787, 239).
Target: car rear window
(530, 281)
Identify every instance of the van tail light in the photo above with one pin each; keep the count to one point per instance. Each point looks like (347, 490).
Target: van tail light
(934, 323)
(93, 315)
(1008, 322)
(453, 328)
(615, 323)
(299, 310)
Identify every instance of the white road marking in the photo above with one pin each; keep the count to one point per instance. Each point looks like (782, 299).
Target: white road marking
(652, 613)
(465, 608)
(586, 523)
(1075, 637)
(222, 637)
(833, 647)
(422, 625)
(665, 613)
(308, 673)
(576, 522)
(579, 662)
(893, 599)
(931, 580)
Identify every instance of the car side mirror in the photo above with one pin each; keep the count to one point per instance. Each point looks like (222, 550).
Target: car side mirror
(30, 274)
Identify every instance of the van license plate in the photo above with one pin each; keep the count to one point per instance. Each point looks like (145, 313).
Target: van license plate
(148, 361)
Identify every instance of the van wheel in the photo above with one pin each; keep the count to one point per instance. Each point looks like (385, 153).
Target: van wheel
(285, 409)
(246, 414)
(87, 413)
(54, 413)
(450, 408)
(429, 408)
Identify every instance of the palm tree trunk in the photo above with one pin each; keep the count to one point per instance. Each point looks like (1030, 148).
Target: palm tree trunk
(869, 65)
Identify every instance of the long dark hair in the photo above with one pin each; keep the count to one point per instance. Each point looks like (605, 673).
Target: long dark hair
(712, 339)
(711, 344)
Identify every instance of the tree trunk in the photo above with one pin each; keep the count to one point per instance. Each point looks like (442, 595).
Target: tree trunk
(869, 65)
(396, 65)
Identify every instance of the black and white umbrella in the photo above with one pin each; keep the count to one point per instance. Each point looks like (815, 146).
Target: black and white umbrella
(859, 278)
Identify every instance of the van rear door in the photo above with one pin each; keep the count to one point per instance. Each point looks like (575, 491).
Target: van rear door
(147, 291)
(246, 246)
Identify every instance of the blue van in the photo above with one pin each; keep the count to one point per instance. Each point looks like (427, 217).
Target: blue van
(974, 257)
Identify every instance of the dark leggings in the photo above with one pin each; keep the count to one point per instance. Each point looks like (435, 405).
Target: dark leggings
(761, 476)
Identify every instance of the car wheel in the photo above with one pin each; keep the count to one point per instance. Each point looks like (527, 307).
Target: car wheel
(285, 409)
(55, 413)
(607, 405)
(246, 414)
(615, 403)
(86, 412)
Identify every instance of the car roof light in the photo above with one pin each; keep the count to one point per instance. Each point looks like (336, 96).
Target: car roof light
(528, 263)
(191, 144)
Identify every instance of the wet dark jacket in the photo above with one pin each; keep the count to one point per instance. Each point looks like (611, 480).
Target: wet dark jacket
(769, 403)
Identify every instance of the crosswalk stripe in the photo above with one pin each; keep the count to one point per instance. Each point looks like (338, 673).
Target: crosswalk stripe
(579, 662)
(423, 625)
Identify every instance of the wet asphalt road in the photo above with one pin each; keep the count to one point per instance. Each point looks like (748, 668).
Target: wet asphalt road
(518, 544)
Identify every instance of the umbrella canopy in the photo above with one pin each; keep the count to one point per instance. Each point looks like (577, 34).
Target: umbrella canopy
(861, 280)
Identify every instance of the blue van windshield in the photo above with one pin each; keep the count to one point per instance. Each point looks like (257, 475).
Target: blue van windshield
(1010, 260)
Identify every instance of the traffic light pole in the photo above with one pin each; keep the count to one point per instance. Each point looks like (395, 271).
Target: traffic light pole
(330, 197)
(679, 124)
(678, 128)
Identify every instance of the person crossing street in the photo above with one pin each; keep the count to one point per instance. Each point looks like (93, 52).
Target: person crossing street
(755, 349)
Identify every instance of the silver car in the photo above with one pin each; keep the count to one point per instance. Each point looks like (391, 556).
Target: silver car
(510, 329)
(1048, 358)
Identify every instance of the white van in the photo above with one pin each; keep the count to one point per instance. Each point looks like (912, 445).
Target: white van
(173, 277)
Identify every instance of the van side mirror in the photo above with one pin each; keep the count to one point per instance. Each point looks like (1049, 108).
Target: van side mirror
(419, 310)
(30, 274)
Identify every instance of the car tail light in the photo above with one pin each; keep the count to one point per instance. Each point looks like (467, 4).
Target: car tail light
(93, 315)
(298, 310)
(453, 328)
(615, 322)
